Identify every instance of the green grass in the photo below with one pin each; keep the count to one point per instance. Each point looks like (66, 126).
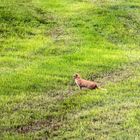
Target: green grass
(43, 43)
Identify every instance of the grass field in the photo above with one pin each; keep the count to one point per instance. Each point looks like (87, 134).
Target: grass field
(43, 43)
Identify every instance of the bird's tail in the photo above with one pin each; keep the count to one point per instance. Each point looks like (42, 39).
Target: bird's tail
(102, 89)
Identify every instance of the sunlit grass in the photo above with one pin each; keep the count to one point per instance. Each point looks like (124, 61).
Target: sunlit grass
(43, 43)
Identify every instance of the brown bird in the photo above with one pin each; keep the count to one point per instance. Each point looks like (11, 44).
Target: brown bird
(82, 83)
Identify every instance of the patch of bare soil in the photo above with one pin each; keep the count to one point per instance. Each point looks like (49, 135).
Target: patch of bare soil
(49, 125)
(33, 126)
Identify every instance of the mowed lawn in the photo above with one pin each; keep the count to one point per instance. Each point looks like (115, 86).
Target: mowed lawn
(43, 43)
